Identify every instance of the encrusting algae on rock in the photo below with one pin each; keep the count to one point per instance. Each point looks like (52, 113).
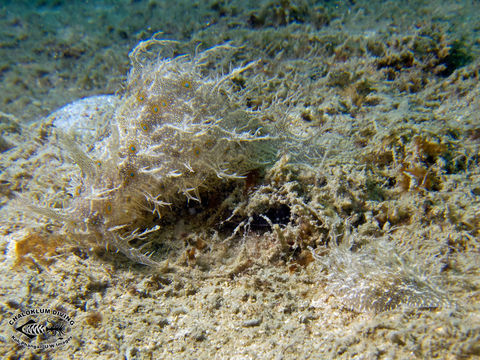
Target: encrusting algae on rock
(185, 129)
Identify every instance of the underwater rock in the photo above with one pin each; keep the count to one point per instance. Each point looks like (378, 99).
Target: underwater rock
(82, 116)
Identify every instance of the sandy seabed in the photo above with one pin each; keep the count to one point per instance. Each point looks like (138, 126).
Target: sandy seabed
(391, 206)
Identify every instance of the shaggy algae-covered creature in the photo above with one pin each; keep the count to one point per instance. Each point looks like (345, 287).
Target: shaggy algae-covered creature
(180, 130)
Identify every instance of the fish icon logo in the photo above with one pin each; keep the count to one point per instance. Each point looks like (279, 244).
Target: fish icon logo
(41, 328)
(31, 329)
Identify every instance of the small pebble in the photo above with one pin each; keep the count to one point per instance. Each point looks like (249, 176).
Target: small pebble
(252, 322)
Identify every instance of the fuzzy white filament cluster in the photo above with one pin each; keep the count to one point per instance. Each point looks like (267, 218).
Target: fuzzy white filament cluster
(376, 278)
